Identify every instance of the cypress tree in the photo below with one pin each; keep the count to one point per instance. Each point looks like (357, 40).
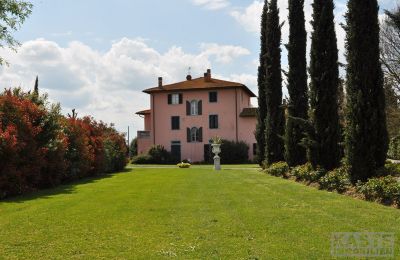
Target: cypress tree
(295, 154)
(262, 105)
(366, 132)
(274, 128)
(36, 88)
(324, 148)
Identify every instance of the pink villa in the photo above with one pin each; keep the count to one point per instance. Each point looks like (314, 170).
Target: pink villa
(184, 116)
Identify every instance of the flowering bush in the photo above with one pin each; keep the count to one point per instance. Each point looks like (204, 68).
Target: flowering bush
(279, 169)
(41, 148)
(184, 165)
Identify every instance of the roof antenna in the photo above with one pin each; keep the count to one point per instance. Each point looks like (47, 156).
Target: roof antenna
(189, 76)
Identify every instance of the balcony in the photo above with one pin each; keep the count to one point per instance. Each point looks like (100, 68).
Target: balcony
(143, 134)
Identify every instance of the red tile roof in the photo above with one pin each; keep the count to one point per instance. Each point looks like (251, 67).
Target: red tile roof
(198, 84)
(144, 112)
(249, 112)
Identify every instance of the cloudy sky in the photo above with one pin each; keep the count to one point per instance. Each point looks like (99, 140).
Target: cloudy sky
(97, 56)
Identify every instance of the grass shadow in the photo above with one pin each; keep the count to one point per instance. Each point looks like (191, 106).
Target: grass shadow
(65, 188)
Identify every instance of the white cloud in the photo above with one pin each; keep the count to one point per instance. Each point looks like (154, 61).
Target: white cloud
(106, 85)
(223, 53)
(250, 17)
(212, 4)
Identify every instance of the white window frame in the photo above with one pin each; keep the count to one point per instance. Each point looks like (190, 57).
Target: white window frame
(194, 108)
(175, 99)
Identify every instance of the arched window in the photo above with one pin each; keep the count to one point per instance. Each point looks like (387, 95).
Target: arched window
(194, 108)
(194, 134)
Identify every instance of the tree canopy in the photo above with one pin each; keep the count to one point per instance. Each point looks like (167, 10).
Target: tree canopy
(13, 14)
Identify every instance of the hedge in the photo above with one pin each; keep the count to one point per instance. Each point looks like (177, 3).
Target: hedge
(41, 148)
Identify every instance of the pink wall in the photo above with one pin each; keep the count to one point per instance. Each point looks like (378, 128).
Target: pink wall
(224, 108)
(147, 122)
(144, 144)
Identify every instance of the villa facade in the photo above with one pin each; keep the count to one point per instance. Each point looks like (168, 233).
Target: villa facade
(184, 116)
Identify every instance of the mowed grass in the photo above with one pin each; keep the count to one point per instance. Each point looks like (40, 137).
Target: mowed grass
(191, 213)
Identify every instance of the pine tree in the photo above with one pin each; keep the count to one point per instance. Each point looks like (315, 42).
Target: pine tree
(366, 132)
(295, 154)
(274, 128)
(262, 105)
(324, 148)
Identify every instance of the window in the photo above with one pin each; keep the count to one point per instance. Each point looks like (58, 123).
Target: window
(213, 120)
(254, 149)
(175, 123)
(213, 97)
(175, 99)
(194, 108)
(194, 134)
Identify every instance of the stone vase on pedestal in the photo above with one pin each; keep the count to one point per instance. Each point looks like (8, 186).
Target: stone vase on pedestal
(216, 149)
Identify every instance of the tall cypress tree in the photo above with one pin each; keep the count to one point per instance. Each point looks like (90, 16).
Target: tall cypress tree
(36, 88)
(262, 105)
(295, 154)
(366, 133)
(324, 148)
(274, 128)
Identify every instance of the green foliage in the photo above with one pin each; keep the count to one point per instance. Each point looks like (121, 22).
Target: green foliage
(390, 168)
(366, 134)
(262, 103)
(323, 144)
(274, 128)
(157, 154)
(279, 169)
(295, 154)
(12, 15)
(394, 148)
(133, 147)
(142, 159)
(384, 189)
(307, 173)
(234, 152)
(335, 180)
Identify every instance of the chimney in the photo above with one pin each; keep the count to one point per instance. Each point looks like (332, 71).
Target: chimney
(207, 76)
(188, 77)
(160, 82)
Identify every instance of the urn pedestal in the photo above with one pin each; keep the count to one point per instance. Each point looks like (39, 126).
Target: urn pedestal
(216, 149)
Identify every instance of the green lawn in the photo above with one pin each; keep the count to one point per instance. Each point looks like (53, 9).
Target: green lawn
(187, 214)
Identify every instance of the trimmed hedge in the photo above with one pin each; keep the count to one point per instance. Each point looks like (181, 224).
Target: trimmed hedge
(234, 152)
(157, 154)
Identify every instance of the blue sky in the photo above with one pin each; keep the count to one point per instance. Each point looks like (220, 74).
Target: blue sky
(97, 56)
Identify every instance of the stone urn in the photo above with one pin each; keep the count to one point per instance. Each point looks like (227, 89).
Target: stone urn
(216, 149)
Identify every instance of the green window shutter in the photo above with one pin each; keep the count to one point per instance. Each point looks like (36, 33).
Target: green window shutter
(188, 134)
(187, 108)
(200, 107)
(169, 99)
(180, 98)
(200, 134)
